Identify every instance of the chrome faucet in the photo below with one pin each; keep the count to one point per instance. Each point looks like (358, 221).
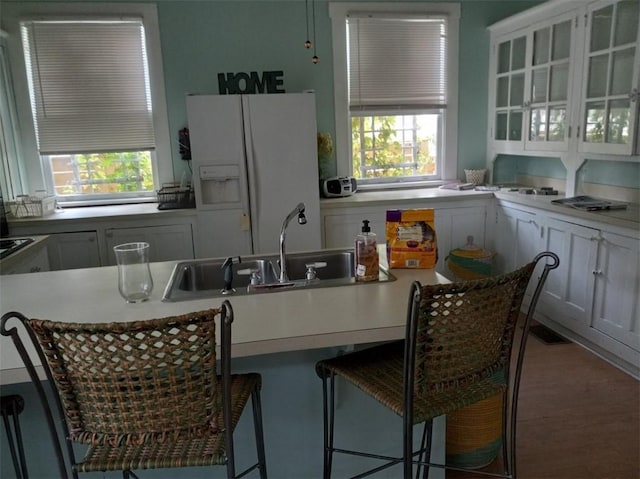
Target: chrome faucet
(227, 268)
(302, 219)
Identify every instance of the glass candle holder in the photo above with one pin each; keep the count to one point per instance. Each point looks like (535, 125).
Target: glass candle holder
(134, 275)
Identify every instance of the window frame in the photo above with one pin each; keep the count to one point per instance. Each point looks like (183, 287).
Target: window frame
(338, 13)
(33, 164)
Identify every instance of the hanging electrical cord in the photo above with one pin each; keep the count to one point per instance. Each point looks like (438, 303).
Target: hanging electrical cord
(307, 44)
(315, 58)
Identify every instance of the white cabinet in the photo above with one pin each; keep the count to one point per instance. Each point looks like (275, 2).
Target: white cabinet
(33, 259)
(563, 83)
(568, 293)
(84, 237)
(530, 95)
(593, 296)
(74, 250)
(616, 310)
(509, 88)
(167, 242)
(453, 225)
(610, 69)
(518, 238)
(340, 229)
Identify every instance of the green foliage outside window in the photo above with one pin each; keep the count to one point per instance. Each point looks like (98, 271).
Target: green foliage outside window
(382, 148)
(102, 173)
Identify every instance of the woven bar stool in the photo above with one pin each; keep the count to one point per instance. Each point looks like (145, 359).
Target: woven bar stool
(457, 352)
(12, 406)
(142, 395)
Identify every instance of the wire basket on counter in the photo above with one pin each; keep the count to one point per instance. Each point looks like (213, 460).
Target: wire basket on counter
(172, 197)
(26, 206)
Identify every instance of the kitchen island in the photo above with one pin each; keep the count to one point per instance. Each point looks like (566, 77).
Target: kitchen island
(281, 335)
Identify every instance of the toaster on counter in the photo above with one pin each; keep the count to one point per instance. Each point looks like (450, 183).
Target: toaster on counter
(338, 186)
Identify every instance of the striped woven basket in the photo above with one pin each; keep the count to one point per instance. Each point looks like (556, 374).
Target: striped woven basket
(470, 261)
(474, 434)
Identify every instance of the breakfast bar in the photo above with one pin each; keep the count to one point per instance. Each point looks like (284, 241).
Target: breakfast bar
(280, 335)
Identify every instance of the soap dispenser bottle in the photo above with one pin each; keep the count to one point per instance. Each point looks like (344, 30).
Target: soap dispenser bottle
(366, 255)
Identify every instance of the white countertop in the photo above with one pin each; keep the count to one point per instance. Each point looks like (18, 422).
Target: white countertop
(363, 198)
(264, 323)
(629, 218)
(102, 213)
(626, 218)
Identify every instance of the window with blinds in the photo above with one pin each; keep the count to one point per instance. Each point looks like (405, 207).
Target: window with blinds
(91, 103)
(397, 94)
(397, 62)
(395, 67)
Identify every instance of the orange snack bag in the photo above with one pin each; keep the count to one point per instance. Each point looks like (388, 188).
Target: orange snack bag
(411, 238)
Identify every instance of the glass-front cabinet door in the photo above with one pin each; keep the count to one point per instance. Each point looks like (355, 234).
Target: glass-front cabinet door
(532, 68)
(549, 92)
(611, 67)
(510, 88)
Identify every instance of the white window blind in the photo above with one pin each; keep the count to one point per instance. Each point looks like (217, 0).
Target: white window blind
(89, 84)
(396, 61)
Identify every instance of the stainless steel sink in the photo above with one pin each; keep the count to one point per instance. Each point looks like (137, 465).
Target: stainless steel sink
(204, 278)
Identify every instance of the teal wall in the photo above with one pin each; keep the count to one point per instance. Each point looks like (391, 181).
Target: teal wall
(507, 168)
(201, 38)
(625, 174)
(474, 77)
(618, 173)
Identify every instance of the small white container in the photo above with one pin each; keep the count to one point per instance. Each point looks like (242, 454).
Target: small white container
(32, 206)
(475, 176)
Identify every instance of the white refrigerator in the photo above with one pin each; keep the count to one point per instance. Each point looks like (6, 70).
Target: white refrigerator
(254, 158)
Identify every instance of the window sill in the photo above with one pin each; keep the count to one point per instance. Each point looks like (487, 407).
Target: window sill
(105, 202)
(408, 185)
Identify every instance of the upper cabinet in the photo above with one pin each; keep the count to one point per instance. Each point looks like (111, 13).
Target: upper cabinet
(531, 68)
(609, 107)
(564, 77)
(549, 87)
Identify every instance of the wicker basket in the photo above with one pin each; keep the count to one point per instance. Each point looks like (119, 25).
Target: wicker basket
(32, 206)
(470, 261)
(474, 434)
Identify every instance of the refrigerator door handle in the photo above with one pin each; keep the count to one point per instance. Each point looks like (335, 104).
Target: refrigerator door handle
(252, 175)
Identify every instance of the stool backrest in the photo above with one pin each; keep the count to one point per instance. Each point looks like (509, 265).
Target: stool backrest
(134, 382)
(464, 330)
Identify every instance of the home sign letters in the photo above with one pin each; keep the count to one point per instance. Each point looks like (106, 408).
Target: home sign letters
(235, 83)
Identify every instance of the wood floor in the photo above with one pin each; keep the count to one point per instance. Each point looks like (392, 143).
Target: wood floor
(578, 417)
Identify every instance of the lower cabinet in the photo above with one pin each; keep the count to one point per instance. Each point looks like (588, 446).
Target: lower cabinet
(594, 295)
(568, 294)
(74, 250)
(517, 238)
(166, 242)
(32, 260)
(616, 309)
(94, 248)
(453, 226)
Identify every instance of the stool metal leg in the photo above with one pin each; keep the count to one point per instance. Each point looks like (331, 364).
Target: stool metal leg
(257, 425)
(13, 405)
(328, 406)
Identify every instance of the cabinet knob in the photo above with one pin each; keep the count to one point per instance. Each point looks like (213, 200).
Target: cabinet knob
(597, 272)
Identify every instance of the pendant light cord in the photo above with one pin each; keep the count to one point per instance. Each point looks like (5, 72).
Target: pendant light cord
(313, 8)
